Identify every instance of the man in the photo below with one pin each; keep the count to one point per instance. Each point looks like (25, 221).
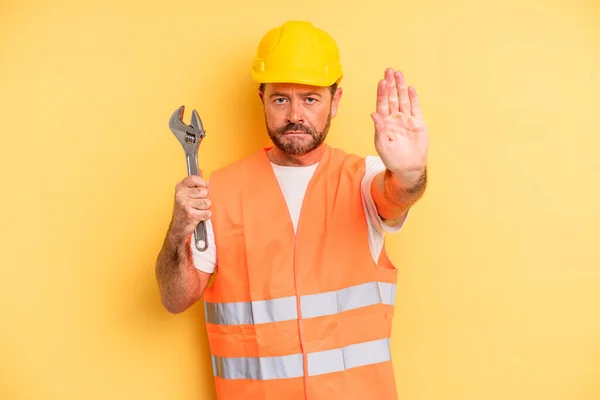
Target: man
(302, 302)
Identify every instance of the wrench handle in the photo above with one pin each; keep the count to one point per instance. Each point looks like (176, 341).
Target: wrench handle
(200, 236)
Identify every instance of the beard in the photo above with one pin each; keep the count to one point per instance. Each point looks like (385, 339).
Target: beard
(298, 145)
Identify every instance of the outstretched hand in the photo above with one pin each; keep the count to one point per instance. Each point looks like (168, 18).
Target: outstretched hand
(400, 131)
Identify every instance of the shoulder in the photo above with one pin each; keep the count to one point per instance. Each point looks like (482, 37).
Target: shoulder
(348, 162)
(232, 171)
(374, 164)
(228, 169)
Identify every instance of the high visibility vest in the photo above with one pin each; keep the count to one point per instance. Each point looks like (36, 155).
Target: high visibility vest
(305, 316)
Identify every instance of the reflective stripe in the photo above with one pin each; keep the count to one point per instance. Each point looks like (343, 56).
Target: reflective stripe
(356, 355)
(259, 368)
(256, 312)
(215, 365)
(313, 305)
(329, 303)
(319, 363)
(388, 293)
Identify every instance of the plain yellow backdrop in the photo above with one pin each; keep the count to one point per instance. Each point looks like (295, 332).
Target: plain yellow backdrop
(499, 286)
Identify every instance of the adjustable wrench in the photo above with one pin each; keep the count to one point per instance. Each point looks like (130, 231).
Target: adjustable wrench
(190, 137)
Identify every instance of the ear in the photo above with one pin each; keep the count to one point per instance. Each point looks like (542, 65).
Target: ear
(261, 96)
(336, 101)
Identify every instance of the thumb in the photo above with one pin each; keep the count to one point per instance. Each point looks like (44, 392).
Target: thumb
(379, 125)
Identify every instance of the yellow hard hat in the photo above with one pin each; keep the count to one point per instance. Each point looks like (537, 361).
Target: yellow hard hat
(297, 52)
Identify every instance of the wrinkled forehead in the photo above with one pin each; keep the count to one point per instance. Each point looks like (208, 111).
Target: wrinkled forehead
(293, 89)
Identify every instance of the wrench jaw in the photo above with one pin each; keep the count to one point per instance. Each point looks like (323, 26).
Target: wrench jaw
(189, 136)
(176, 125)
(196, 123)
(195, 135)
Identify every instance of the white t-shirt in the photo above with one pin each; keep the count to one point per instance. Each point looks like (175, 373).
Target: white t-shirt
(293, 182)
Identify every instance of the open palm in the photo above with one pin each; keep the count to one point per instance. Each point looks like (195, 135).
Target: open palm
(400, 131)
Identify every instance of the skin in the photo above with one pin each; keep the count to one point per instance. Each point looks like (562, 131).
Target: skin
(298, 118)
(402, 142)
(180, 283)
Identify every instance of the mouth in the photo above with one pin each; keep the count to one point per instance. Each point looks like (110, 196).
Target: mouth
(295, 133)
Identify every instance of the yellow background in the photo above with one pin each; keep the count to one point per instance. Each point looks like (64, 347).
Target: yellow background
(499, 285)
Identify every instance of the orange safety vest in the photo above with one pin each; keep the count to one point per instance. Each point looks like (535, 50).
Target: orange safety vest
(305, 316)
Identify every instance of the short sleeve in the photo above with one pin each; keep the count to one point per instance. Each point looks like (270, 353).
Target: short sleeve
(374, 165)
(206, 260)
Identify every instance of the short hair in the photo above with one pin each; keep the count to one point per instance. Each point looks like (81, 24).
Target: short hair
(332, 88)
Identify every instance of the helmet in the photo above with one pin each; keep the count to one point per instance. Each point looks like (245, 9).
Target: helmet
(297, 52)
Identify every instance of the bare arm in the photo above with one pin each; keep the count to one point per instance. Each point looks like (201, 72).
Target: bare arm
(393, 197)
(180, 283)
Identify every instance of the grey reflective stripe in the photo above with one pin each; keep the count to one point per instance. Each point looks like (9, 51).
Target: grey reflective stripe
(215, 365)
(356, 355)
(256, 312)
(366, 294)
(319, 363)
(313, 305)
(259, 368)
(388, 293)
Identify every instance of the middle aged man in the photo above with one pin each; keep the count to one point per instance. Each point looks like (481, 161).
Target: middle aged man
(302, 301)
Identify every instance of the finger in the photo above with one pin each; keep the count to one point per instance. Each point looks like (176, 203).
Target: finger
(402, 93)
(382, 99)
(183, 195)
(379, 125)
(197, 193)
(412, 124)
(402, 120)
(205, 215)
(200, 204)
(197, 215)
(392, 92)
(193, 181)
(415, 103)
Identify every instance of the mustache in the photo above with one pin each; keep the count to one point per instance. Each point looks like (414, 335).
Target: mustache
(294, 127)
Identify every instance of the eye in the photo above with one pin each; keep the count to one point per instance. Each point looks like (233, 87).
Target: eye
(311, 100)
(279, 100)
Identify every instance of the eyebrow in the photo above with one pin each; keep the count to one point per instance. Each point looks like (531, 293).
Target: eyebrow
(304, 94)
(310, 94)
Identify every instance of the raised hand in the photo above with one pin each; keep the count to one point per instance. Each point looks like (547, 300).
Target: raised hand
(400, 131)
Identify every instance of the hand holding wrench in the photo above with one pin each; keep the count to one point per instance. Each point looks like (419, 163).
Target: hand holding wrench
(190, 137)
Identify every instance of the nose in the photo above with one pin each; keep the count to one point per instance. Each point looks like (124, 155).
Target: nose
(295, 115)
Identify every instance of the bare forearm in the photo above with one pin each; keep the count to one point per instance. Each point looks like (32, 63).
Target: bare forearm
(178, 280)
(394, 195)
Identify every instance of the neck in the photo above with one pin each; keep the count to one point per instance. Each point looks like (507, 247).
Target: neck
(278, 157)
